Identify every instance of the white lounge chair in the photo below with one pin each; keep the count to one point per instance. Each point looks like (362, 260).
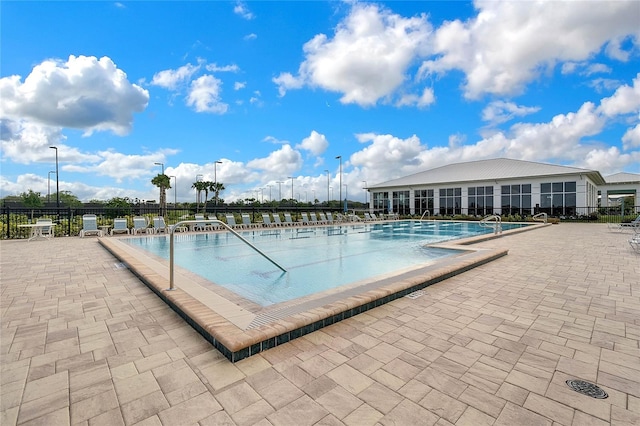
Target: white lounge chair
(288, 220)
(276, 220)
(634, 242)
(305, 219)
(46, 231)
(140, 225)
(90, 226)
(231, 221)
(266, 220)
(329, 218)
(246, 221)
(120, 226)
(159, 225)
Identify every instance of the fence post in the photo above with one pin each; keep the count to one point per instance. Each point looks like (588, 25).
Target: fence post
(8, 223)
(69, 218)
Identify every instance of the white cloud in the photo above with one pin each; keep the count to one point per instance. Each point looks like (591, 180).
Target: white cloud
(508, 44)
(241, 9)
(224, 68)
(626, 99)
(204, 95)
(281, 162)
(172, 79)
(501, 111)
(315, 143)
(421, 101)
(631, 138)
(238, 85)
(366, 60)
(83, 93)
(251, 36)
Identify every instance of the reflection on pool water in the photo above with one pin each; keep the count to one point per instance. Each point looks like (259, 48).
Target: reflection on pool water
(316, 258)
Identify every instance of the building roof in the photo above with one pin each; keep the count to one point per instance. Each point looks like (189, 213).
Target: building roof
(623, 178)
(483, 170)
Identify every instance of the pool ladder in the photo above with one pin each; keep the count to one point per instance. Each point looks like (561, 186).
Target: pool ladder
(492, 221)
(172, 229)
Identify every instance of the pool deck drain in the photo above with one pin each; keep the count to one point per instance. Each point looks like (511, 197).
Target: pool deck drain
(238, 332)
(586, 388)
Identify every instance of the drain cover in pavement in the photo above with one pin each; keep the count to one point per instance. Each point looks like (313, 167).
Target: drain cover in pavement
(587, 388)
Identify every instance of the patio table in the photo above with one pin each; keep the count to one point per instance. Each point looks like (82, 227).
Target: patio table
(36, 229)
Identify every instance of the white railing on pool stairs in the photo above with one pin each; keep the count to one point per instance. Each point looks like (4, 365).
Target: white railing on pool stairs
(172, 229)
(540, 217)
(426, 213)
(492, 221)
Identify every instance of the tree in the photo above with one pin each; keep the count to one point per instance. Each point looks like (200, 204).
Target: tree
(163, 182)
(200, 186)
(32, 200)
(68, 199)
(216, 188)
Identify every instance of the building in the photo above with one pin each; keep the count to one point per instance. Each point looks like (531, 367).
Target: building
(499, 186)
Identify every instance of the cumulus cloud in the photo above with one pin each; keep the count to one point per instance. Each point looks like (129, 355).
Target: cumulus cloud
(509, 44)
(241, 9)
(367, 58)
(84, 93)
(631, 138)
(204, 95)
(501, 111)
(281, 162)
(625, 100)
(315, 143)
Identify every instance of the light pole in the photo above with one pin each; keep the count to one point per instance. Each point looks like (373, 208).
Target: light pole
(270, 199)
(49, 186)
(160, 164)
(339, 157)
(279, 190)
(365, 191)
(57, 181)
(198, 193)
(175, 191)
(291, 177)
(215, 177)
(328, 179)
(346, 196)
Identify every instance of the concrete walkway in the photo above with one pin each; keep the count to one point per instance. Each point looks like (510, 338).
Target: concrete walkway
(83, 341)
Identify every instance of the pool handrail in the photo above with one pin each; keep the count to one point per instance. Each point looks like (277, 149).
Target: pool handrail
(175, 226)
(496, 225)
(536, 217)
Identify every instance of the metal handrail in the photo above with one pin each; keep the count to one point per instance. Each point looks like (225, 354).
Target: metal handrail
(543, 215)
(172, 229)
(426, 212)
(497, 226)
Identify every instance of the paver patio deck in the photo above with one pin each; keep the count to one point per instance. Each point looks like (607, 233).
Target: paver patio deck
(83, 341)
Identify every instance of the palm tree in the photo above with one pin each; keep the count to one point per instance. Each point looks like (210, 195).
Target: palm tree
(216, 188)
(206, 185)
(163, 182)
(200, 186)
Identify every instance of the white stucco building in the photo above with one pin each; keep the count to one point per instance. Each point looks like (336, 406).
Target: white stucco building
(499, 186)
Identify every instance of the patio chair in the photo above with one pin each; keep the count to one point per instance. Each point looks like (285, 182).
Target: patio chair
(246, 221)
(634, 242)
(90, 226)
(231, 221)
(276, 220)
(329, 218)
(367, 217)
(141, 226)
(159, 225)
(46, 231)
(120, 226)
(305, 219)
(288, 221)
(322, 218)
(266, 220)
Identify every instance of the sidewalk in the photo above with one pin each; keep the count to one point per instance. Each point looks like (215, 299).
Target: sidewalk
(83, 341)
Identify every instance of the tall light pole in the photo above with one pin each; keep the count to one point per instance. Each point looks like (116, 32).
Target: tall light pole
(215, 177)
(328, 179)
(160, 164)
(49, 186)
(339, 157)
(365, 191)
(198, 177)
(279, 190)
(57, 181)
(346, 196)
(291, 177)
(175, 191)
(270, 199)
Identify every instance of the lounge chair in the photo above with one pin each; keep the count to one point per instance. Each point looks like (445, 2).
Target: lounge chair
(367, 217)
(374, 217)
(141, 226)
(634, 242)
(305, 219)
(329, 218)
(231, 221)
(246, 221)
(46, 231)
(120, 226)
(90, 226)
(633, 225)
(288, 220)
(201, 226)
(276, 220)
(159, 225)
(322, 218)
(266, 220)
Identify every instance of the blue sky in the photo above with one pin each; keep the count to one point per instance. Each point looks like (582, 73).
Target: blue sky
(275, 90)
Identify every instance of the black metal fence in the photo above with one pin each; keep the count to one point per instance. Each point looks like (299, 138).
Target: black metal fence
(69, 220)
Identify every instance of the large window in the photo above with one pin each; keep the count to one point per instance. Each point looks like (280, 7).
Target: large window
(401, 202)
(480, 200)
(423, 201)
(516, 199)
(381, 201)
(558, 198)
(450, 201)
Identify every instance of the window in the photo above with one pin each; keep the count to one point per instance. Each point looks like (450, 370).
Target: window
(516, 199)
(558, 198)
(423, 201)
(450, 201)
(401, 202)
(480, 200)
(381, 201)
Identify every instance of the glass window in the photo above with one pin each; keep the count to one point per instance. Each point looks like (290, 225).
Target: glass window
(505, 189)
(557, 186)
(569, 187)
(472, 191)
(488, 190)
(526, 189)
(515, 189)
(545, 188)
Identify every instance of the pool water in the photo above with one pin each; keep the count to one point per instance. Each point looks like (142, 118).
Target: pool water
(316, 258)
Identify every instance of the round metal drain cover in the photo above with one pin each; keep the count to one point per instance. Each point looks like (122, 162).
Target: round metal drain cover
(587, 388)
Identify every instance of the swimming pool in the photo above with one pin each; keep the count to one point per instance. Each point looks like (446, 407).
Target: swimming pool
(316, 258)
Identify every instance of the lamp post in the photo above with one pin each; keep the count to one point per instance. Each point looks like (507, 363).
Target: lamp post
(291, 177)
(339, 157)
(175, 191)
(160, 164)
(49, 186)
(346, 196)
(57, 181)
(328, 179)
(365, 191)
(198, 177)
(215, 177)
(270, 199)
